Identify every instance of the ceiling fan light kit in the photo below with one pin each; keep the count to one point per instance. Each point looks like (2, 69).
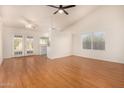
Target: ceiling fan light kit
(61, 8)
(60, 11)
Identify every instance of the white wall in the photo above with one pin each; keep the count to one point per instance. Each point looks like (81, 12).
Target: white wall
(60, 44)
(109, 19)
(1, 56)
(8, 34)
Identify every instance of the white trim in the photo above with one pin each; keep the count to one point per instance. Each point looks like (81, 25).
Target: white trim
(102, 59)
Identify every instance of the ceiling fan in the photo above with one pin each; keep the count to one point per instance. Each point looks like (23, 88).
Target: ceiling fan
(61, 8)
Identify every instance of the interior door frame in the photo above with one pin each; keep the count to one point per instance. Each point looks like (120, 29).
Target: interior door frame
(13, 51)
(25, 46)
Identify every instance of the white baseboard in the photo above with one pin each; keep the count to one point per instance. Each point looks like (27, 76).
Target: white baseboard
(55, 57)
(102, 59)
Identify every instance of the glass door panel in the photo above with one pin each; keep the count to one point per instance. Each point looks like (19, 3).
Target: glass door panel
(29, 45)
(18, 45)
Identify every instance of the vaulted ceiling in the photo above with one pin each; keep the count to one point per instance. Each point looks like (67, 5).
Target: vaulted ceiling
(42, 16)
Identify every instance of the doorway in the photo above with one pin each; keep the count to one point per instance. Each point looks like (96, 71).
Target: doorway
(28, 45)
(44, 43)
(23, 45)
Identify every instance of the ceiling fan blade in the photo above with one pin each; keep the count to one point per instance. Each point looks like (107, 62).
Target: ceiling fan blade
(70, 6)
(53, 6)
(55, 12)
(65, 12)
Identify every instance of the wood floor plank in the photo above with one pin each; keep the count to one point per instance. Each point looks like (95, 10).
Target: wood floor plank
(67, 72)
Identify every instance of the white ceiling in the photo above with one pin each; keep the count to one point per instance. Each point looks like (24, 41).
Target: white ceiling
(43, 16)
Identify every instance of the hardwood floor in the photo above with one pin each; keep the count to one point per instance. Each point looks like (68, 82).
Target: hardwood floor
(70, 72)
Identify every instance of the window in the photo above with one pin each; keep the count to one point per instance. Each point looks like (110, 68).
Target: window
(98, 41)
(18, 45)
(93, 40)
(29, 45)
(44, 41)
(86, 41)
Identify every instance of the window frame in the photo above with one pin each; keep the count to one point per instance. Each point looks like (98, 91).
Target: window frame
(92, 41)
